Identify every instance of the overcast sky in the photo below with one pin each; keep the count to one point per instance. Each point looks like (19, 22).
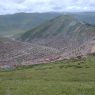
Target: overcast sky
(14, 6)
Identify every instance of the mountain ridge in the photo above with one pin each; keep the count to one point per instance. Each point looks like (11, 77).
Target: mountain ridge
(65, 33)
(16, 24)
(63, 37)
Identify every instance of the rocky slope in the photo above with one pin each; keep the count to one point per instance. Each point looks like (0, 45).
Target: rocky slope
(16, 53)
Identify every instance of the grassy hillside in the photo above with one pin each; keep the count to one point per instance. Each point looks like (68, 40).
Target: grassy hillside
(68, 77)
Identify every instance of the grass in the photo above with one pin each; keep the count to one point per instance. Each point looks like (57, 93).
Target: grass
(68, 77)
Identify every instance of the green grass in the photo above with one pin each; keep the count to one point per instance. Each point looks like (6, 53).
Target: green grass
(68, 77)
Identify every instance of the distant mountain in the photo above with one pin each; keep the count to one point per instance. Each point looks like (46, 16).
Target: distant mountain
(21, 22)
(87, 17)
(65, 33)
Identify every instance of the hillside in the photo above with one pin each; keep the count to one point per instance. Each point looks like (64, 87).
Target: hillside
(68, 77)
(65, 33)
(21, 22)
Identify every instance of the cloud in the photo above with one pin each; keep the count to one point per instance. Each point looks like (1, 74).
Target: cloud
(74, 5)
(13, 6)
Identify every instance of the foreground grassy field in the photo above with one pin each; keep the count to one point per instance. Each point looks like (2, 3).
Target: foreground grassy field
(69, 77)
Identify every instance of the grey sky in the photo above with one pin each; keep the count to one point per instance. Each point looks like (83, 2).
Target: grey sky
(13, 6)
